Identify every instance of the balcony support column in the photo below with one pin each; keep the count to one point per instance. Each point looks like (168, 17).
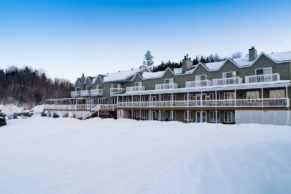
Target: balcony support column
(216, 106)
(262, 97)
(187, 107)
(235, 98)
(201, 98)
(172, 104)
(159, 105)
(140, 107)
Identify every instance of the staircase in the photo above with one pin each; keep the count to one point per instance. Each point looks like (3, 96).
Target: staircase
(91, 112)
(97, 108)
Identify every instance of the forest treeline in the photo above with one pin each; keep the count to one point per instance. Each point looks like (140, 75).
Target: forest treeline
(28, 87)
(209, 59)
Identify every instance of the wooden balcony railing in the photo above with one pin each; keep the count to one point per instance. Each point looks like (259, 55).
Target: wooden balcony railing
(114, 91)
(135, 89)
(262, 78)
(265, 102)
(166, 86)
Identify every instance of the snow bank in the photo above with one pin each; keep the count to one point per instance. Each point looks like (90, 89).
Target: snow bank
(38, 109)
(10, 109)
(45, 155)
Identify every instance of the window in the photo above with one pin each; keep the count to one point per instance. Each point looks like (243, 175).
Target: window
(144, 98)
(212, 96)
(229, 74)
(135, 99)
(98, 86)
(173, 115)
(214, 116)
(264, 71)
(144, 114)
(101, 100)
(277, 93)
(78, 89)
(115, 85)
(253, 95)
(88, 87)
(137, 84)
(229, 117)
(171, 80)
(200, 77)
(229, 95)
(190, 97)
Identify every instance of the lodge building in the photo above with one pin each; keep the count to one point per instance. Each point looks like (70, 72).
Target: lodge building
(250, 89)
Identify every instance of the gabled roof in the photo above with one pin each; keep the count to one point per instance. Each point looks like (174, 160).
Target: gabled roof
(120, 75)
(243, 62)
(214, 66)
(158, 74)
(78, 80)
(98, 77)
(137, 74)
(280, 56)
(89, 79)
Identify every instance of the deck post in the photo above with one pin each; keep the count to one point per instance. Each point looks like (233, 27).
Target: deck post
(140, 107)
(215, 106)
(187, 107)
(262, 97)
(234, 97)
(172, 104)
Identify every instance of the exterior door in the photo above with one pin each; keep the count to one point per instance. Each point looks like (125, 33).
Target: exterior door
(201, 116)
(154, 115)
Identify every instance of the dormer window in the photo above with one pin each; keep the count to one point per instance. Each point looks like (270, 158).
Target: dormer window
(229, 74)
(167, 81)
(200, 77)
(264, 71)
(137, 84)
(88, 88)
(98, 86)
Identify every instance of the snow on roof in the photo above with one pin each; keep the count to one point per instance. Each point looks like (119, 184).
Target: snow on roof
(243, 61)
(281, 56)
(214, 66)
(121, 75)
(178, 70)
(150, 75)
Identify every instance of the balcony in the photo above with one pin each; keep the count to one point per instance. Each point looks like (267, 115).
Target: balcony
(69, 107)
(135, 89)
(227, 81)
(96, 92)
(114, 91)
(200, 83)
(85, 92)
(265, 102)
(75, 94)
(262, 78)
(167, 86)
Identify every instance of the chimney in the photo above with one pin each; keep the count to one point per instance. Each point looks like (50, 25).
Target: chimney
(252, 54)
(187, 63)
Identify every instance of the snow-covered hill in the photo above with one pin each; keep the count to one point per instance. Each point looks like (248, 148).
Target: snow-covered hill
(45, 155)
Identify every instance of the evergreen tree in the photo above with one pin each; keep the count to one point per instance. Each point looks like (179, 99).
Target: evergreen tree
(148, 59)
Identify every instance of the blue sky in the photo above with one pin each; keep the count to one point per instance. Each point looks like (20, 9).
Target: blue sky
(70, 37)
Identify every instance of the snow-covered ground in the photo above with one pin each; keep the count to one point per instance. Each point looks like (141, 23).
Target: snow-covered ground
(10, 109)
(45, 155)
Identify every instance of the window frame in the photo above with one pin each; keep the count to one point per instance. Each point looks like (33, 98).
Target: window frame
(264, 68)
(233, 74)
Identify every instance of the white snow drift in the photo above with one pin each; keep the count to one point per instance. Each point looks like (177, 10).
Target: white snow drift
(45, 155)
